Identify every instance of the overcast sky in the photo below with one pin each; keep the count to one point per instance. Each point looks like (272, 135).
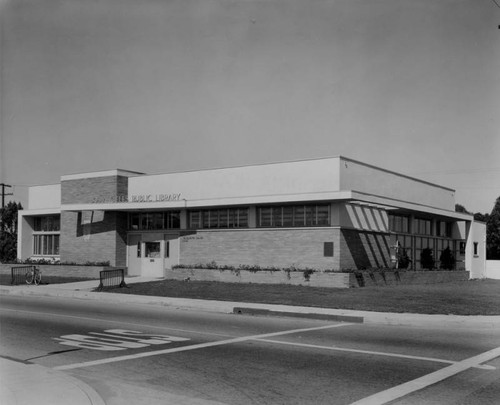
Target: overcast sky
(168, 85)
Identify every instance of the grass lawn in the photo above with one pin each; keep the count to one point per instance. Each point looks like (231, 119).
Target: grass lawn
(475, 297)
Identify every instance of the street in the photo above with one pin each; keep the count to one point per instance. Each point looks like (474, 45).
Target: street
(143, 354)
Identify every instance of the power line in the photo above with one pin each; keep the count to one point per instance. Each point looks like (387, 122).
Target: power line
(3, 185)
(496, 4)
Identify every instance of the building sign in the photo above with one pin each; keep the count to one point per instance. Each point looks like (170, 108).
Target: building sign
(137, 198)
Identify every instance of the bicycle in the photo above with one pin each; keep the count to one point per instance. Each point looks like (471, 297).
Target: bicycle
(34, 276)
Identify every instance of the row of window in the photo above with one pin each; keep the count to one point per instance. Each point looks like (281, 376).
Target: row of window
(271, 216)
(155, 220)
(293, 216)
(435, 244)
(401, 224)
(219, 218)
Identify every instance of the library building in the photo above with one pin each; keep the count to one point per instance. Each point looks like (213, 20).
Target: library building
(325, 214)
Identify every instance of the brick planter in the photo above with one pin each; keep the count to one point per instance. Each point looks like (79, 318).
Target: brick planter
(366, 278)
(318, 279)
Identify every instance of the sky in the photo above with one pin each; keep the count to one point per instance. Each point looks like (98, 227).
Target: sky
(160, 86)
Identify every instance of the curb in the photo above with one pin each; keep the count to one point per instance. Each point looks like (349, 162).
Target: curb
(308, 315)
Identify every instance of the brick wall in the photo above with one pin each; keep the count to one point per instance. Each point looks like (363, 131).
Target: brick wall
(85, 191)
(361, 249)
(94, 236)
(95, 241)
(121, 239)
(263, 247)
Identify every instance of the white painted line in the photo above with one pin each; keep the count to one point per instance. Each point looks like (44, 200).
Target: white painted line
(429, 379)
(342, 349)
(192, 347)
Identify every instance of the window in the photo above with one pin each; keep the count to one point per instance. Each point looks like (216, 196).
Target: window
(47, 224)
(152, 249)
(219, 218)
(423, 226)
(293, 216)
(46, 235)
(154, 220)
(172, 220)
(475, 248)
(443, 229)
(398, 223)
(47, 245)
(462, 248)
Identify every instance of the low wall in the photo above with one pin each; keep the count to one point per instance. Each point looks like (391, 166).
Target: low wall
(318, 279)
(90, 272)
(368, 279)
(493, 269)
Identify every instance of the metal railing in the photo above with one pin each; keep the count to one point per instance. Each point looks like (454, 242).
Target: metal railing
(111, 278)
(18, 274)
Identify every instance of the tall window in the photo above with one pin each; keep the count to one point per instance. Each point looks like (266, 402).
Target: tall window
(219, 218)
(293, 215)
(399, 223)
(443, 229)
(50, 223)
(154, 220)
(46, 235)
(46, 245)
(423, 226)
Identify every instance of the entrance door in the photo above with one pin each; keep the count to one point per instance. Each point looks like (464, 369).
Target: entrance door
(152, 255)
(134, 256)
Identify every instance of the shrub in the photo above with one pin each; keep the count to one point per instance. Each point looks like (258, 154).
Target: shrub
(403, 259)
(447, 260)
(427, 259)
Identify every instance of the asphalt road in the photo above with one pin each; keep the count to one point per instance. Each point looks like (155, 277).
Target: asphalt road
(153, 355)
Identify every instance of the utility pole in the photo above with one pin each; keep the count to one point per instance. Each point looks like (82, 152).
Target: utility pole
(4, 193)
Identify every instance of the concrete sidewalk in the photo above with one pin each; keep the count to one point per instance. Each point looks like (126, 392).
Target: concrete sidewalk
(26, 384)
(84, 290)
(33, 384)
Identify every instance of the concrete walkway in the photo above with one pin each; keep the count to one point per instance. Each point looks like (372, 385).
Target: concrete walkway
(33, 384)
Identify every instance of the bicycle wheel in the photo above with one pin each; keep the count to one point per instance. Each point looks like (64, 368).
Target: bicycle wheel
(37, 278)
(29, 277)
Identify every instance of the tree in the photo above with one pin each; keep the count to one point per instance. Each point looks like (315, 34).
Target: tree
(493, 233)
(481, 217)
(461, 208)
(447, 260)
(426, 259)
(8, 231)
